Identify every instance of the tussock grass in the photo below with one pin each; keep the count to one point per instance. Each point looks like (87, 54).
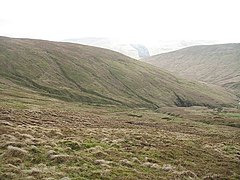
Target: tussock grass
(15, 152)
(84, 142)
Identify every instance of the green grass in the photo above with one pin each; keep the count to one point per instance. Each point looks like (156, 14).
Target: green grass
(88, 113)
(214, 64)
(73, 72)
(234, 115)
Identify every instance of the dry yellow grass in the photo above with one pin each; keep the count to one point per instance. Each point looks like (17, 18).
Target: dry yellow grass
(107, 143)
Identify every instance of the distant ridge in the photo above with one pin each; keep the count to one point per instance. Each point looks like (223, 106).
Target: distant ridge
(215, 64)
(136, 51)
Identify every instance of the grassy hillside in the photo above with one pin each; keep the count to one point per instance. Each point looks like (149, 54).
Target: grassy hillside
(73, 72)
(216, 64)
(48, 130)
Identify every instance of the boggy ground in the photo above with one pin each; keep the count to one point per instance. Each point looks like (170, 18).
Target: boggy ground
(113, 143)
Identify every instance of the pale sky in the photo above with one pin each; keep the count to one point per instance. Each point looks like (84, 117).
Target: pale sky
(133, 20)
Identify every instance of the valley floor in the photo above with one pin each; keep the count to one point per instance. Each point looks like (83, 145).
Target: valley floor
(113, 143)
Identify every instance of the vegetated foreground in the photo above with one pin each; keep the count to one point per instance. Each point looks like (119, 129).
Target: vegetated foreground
(79, 142)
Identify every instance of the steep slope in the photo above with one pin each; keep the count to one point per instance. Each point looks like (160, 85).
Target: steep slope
(216, 64)
(87, 74)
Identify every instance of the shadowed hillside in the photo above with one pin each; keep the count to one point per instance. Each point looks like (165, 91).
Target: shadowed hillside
(216, 64)
(74, 72)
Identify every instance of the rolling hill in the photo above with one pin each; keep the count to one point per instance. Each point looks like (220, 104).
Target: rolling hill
(215, 64)
(79, 73)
